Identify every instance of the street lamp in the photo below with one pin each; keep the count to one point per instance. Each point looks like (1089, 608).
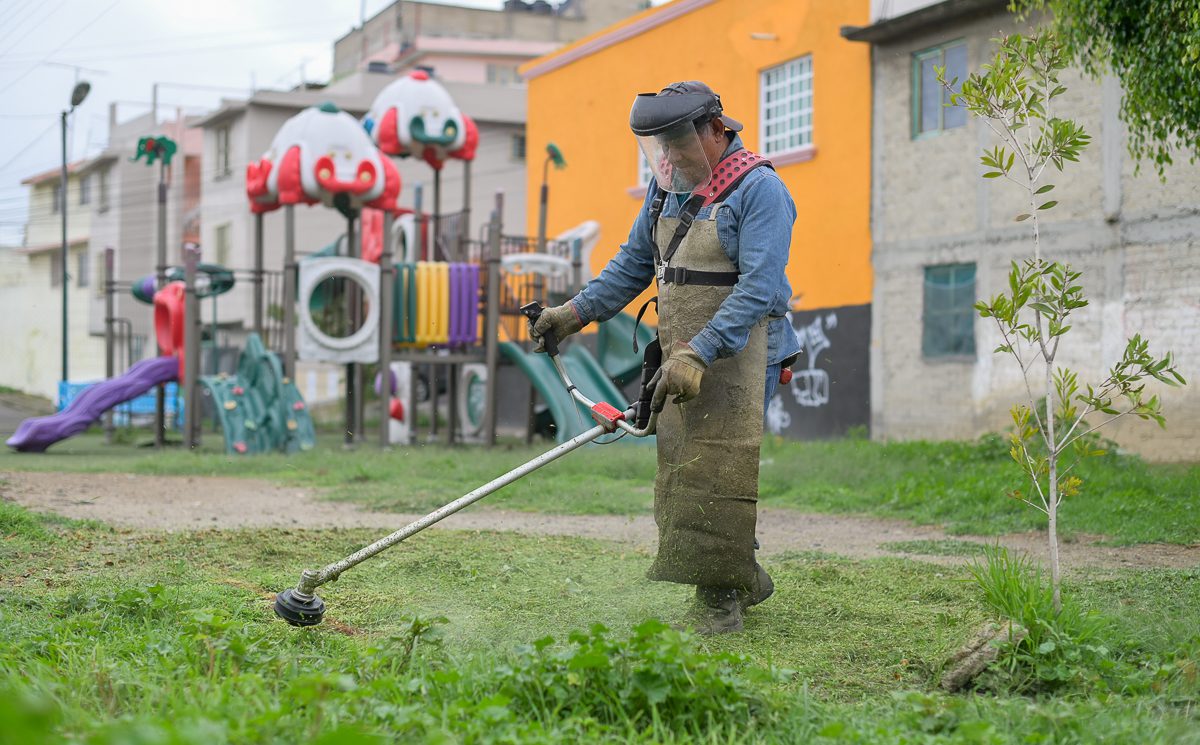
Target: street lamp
(553, 154)
(77, 95)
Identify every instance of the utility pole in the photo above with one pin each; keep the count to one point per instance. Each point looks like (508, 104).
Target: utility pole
(78, 93)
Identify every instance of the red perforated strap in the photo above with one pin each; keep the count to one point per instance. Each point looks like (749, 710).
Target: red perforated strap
(727, 173)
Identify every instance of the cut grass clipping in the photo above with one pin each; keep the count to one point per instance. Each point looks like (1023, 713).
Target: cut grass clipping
(115, 637)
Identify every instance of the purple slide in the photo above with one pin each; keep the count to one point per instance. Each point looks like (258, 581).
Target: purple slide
(36, 434)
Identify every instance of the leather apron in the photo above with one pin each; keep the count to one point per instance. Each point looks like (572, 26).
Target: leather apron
(706, 488)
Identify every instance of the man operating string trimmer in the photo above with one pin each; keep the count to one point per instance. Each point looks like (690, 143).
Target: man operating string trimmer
(714, 233)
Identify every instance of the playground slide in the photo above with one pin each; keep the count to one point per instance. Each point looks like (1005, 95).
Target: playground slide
(570, 418)
(36, 434)
(614, 347)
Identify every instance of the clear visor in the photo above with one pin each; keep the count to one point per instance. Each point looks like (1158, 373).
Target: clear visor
(676, 158)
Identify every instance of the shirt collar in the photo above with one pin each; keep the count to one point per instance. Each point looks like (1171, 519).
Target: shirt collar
(735, 144)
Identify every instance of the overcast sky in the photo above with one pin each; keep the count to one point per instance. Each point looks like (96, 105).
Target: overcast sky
(125, 46)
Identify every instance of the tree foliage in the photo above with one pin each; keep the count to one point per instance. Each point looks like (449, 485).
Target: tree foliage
(1153, 46)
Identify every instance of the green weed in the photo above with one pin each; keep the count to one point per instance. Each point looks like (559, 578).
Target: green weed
(1075, 649)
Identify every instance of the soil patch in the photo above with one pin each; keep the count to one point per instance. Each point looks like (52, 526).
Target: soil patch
(173, 503)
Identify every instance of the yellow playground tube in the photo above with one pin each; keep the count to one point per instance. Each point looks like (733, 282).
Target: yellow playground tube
(433, 303)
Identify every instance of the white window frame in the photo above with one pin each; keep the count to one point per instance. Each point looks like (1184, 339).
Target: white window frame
(99, 272)
(103, 177)
(937, 53)
(83, 270)
(223, 243)
(786, 100)
(222, 160)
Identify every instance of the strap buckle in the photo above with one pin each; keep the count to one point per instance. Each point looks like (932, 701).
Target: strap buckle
(660, 273)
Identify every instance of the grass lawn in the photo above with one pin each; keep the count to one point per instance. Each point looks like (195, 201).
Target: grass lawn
(959, 485)
(127, 637)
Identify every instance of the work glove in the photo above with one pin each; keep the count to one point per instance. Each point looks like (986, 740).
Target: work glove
(561, 319)
(680, 375)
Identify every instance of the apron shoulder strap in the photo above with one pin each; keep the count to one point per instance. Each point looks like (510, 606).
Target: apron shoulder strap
(729, 173)
(726, 177)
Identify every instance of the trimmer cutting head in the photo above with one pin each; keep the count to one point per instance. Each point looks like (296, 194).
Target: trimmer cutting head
(298, 609)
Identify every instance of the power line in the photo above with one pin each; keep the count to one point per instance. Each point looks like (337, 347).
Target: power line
(25, 148)
(26, 116)
(175, 52)
(172, 42)
(13, 28)
(18, 9)
(73, 36)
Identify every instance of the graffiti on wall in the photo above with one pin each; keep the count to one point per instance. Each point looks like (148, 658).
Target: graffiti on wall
(810, 386)
(830, 385)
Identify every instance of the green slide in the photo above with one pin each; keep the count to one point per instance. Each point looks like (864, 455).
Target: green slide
(614, 346)
(570, 418)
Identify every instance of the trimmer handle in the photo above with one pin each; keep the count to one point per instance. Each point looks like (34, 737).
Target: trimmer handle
(533, 311)
(651, 362)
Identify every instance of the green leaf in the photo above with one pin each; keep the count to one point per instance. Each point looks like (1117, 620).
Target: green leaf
(993, 174)
(1044, 189)
(1047, 205)
(1023, 216)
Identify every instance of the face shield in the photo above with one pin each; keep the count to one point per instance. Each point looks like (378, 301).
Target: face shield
(665, 129)
(676, 158)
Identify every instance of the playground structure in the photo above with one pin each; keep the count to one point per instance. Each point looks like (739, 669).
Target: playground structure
(409, 292)
(402, 286)
(258, 409)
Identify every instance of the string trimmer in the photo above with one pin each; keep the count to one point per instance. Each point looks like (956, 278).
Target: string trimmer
(301, 606)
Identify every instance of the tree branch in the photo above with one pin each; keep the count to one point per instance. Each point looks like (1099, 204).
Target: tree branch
(1090, 430)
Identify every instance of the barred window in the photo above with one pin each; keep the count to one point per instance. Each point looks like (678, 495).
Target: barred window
(786, 108)
(948, 322)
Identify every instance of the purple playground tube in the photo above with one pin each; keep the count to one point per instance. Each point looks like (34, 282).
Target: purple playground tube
(457, 275)
(452, 336)
(36, 434)
(466, 306)
(379, 383)
(473, 291)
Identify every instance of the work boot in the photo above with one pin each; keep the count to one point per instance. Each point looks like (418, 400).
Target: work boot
(717, 610)
(764, 588)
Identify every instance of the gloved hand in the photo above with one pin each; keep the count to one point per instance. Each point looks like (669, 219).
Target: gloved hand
(679, 375)
(561, 319)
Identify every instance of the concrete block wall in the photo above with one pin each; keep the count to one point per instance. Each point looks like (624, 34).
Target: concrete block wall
(1133, 237)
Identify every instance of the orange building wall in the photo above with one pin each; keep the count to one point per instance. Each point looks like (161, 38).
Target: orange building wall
(583, 107)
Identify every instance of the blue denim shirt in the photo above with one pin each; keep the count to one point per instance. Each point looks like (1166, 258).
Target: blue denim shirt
(754, 225)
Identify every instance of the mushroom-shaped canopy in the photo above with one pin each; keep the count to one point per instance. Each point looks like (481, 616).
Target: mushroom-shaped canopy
(415, 116)
(322, 155)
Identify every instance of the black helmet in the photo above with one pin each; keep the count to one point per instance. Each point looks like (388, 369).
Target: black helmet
(690, 100)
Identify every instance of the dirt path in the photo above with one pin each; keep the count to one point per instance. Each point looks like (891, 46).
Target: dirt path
(191, 503)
